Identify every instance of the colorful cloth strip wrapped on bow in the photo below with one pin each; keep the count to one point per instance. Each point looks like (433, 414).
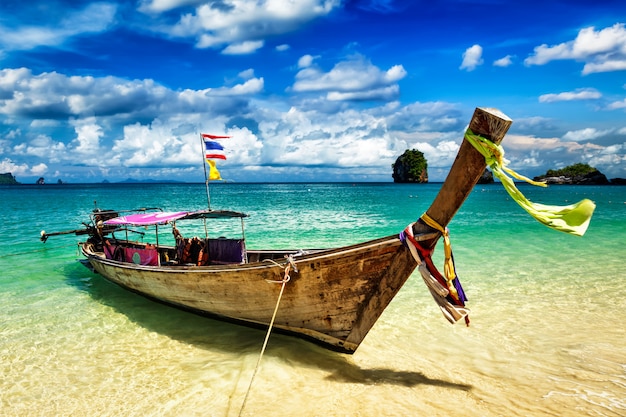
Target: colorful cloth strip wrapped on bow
(573, 219)
(446, 289)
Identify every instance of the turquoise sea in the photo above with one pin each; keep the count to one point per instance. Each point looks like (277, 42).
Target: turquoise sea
(547, 337)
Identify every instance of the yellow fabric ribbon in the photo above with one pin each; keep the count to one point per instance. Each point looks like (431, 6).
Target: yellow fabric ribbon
(448, 266)
(573, 219)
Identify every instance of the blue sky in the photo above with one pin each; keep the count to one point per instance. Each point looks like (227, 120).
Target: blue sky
(309, 90)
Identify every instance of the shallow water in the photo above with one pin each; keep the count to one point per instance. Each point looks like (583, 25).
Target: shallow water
(546, 338)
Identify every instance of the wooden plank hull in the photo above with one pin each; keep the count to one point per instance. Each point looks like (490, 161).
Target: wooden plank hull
(334, 299)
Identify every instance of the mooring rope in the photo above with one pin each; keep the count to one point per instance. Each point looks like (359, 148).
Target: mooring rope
(284, 281)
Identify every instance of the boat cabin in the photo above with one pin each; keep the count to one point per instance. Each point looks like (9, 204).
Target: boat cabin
(185, 251)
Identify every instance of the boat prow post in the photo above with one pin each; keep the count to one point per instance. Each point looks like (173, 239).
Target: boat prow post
(465, 172)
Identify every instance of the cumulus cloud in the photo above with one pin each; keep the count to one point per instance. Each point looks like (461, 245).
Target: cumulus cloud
(7, 165)
(240, 24)
(57, 96)
(543, 153)
(88, 135)
(582, 135)
(243, 48)
(344, 139)
(504, 61)
(601, 51)
(354, 79)
(305, 61)
(617, 105)
(472, 58)
(579, 94)
(99, 129)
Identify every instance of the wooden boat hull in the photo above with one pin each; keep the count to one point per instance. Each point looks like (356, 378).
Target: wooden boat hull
(334, 298)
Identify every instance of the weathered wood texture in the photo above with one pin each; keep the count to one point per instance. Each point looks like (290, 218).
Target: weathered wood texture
(466, 170)
(335, 297)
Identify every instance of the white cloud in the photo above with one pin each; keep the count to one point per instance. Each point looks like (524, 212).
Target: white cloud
(504, 62)
(282, 48)
(55, 96)
(305, 61)
(584, 134)
(612, 157)
(384, 93)
(88, 135)
(601, 51)
(617, 105)
(243, 48)
(236, 22)
(354, 79)
(7, 165)
(442, 154)
(44, 147)
(472, 58)
(138, 128)
(552, 153)
(579, 94)
(343, 139)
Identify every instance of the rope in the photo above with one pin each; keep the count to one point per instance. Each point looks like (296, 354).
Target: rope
(285, 280)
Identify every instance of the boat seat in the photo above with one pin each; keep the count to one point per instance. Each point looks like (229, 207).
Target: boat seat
(226, 251)
(220, 251)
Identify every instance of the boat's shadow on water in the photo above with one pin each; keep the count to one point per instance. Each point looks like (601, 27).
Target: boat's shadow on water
(215, 335)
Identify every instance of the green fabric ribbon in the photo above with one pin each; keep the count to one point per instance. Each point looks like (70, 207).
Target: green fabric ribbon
(573, 219)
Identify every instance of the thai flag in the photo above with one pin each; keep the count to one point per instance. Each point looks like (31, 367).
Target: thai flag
(213, 150)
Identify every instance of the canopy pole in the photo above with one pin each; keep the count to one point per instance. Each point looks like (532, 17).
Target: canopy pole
(206, 177)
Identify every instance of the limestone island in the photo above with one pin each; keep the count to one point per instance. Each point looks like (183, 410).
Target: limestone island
(578, 174)
(8, 179)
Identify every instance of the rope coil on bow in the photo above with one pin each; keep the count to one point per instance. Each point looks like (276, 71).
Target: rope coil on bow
(290, 264)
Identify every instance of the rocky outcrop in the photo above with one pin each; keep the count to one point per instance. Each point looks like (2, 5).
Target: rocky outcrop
(618, 181)
(8, 179)
(401, 173)
(410, 167)
(486, 178)
(592, 178)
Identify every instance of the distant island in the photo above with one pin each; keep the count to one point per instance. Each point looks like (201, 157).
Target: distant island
(578, 174)
(410, 167)
(146, 181)
(8, 179)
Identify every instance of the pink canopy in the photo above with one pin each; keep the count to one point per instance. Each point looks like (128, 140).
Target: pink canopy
(146, 219)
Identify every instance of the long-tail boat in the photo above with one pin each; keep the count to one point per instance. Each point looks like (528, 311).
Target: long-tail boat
(331, 296)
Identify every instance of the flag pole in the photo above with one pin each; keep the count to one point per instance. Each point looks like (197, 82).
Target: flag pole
(206, 177)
